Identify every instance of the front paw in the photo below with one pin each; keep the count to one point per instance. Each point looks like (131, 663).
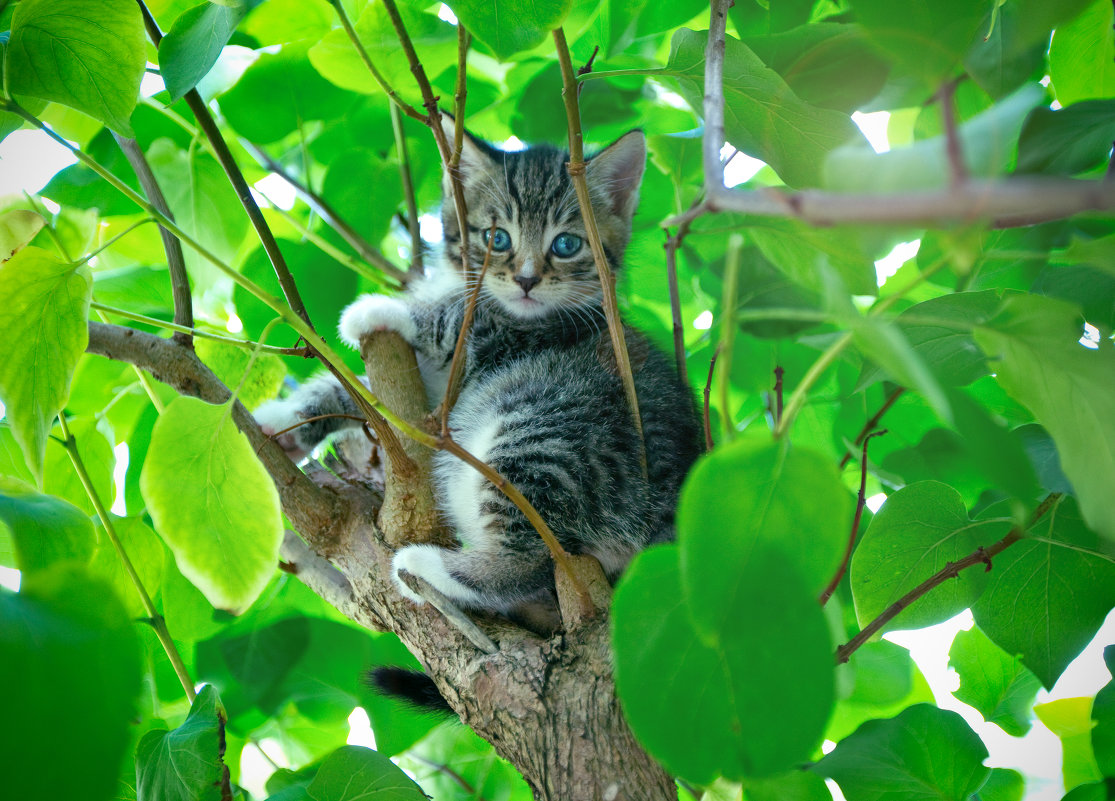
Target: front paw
(276, 416)
(371, 313)
(423, 561)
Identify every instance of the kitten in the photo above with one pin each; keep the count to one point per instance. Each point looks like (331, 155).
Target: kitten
(541, 401)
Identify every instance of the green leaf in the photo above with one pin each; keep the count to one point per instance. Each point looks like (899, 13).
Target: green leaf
(760, 18)
(1049, 593)
(228, 363)
(60, 477)
(1001, 62)
(89, 56)
(919, 530)
(714, 704)
(1103, 713)
(998, 453)
(1069, 140)
(762, 115)
(279, 94)
(886, 681)
(994, 682)
(924, 752)
(806, 254)
(745, 496)
(145, 552)
(44, 319)
(184, 764)
(1003, 785)
(796, 785)
(70, 654)
(987, 142)
(353, 773)
(474, 760)
(1071, 720)
(17, 228)
(927, 39)
(230, 516)
(1082, 56)
(46, 530)
(884, 343)
(511, 26)
(191, 47)
(1069, 388)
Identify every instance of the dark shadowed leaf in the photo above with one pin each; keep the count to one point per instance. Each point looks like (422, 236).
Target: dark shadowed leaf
(45, 530)
(184, 764)
(1069, 140)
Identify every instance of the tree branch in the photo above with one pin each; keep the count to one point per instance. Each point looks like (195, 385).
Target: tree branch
(408, 192)
(175, 260)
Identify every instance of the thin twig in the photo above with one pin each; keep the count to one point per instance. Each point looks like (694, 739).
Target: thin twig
(457, 366)
(457, 778)
(334, 220)
(408, 191)
(346, 23)
(869, 426)
(586, 69)
(235, 177)
(861, 502)
(728, 327)
(708, 390)
(980, 556)
(314, 419)
(460, 94)
(176, 263)
(672, 244)
(778, 373)
(576, 168)
(156, 620)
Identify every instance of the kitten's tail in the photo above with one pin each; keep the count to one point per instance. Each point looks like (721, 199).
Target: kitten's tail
(411, 687)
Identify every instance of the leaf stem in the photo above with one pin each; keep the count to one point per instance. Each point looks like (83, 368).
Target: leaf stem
(576, 168)
(408, 191)
(94, 253)
(158, 623)
(728, 327)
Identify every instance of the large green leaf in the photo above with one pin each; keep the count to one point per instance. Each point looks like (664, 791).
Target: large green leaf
(60, 478)
(45, 529)
(70, 654)
(89, 56)
(279, 93)
(1069, 388)
(809, 255)
(1103, 713)
(511, 26)
(1068, 140)
(705, 705)
(919, 530)
(147, 557)
(926, 38)
(886, 345)
(1049, 593)
(190, 48)
(924, 752)
(353, 773)
(44, 320)
(762, 115)
(743, 497)
(231, 514)
(1082, 56)
(994, 682)
(184, 764)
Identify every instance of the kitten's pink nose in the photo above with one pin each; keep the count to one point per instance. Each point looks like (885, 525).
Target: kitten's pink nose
(527, 282)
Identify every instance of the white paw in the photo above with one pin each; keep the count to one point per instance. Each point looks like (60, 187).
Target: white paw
(418, 560)
(376, 313)
(276, 415)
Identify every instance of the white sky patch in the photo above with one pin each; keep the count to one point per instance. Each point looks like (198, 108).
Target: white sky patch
(234, 325)
(278, 190)
(703, 321)
(28, 160)
(1091, 338)
(1055, 105)
(874, 127)
(446, 13)
(152, 82)
(670, 98)
(10, 578)
(514, 144)
(429, 226)
(119, 471)
(741, 168)
(875, 502)
(899, 255)
(360, 729)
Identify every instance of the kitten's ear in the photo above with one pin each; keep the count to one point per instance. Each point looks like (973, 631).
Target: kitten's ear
(475, 156)
(617, 172)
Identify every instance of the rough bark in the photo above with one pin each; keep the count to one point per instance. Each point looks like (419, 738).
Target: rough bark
(548, 705)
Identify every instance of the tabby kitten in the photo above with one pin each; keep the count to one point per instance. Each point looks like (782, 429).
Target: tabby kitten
(541, 401)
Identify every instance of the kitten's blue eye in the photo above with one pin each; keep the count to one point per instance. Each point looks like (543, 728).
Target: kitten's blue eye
(501, 241)
(566, 245)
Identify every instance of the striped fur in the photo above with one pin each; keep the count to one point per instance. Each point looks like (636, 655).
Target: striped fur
(540, 402)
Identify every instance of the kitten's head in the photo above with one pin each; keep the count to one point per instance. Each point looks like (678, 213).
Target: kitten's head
(541, 261)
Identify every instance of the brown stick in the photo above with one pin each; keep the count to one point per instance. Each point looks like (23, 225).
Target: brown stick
(869, 426)
(708, 390)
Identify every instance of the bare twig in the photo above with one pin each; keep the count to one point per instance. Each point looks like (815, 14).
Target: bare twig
(176, 263)
(457, 778)
(980, 556)
(708, 390)
(334, 220)
(869, 426)
(408, 192)
(958, 173)
(861, 501)
(576, 169)
(232, 171)
(464, 41)
(778, 373)
(672, 244)
(457, 366)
